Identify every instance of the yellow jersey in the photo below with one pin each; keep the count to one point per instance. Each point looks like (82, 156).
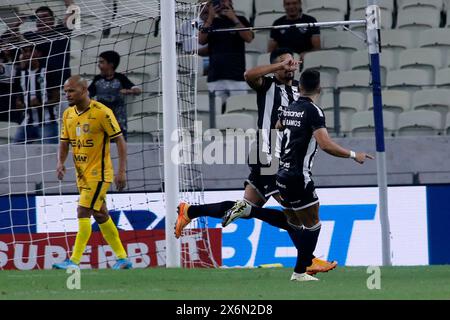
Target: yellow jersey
(90, 133)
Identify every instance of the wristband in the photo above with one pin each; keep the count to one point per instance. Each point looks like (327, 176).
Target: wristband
(352, 154)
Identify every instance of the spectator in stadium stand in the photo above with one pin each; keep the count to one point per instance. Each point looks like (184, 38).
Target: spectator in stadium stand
(39, 98)
(299, 40)
(9, 41)
(110, 87)
(53, 40)
(226, 50)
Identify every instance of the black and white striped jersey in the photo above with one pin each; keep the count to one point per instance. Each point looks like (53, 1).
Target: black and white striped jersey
(298, 145)
(35, 84)
(272, 97)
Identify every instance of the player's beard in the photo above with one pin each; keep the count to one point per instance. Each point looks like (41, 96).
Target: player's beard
(289, 76)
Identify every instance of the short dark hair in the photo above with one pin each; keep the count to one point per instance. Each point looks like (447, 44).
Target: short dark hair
(45, 8)
(111, 57)
(279, 52)
(310, 80)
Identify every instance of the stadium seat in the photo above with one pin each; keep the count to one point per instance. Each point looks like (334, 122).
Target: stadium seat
(421, 58)
(330, 60)
(443, 78)
(344, 122)
(263, 59)
(419, 123)
(268, 6)
(131, 28)
(143, 105)
(435, 38)
(397, 39)
(395, 101)
(203, 103)
(145, 66)
(335, 5)
(202, 84)
(186, 63)
(363, 125)
(144, 128)
(242, 103)
(266, 20)
(418, 18)
(352, 101)
(7, 132)
(447, 124)
(94, 48)
(361, 5)
(359, 60)
(327, 81)
(250, 60)
(235, 121)
(407, 78)
(323, 15)
(354, 79)
(259, 43)
(343, 40)
(432, 99)
(244, 8)
(436, 4)
(326, 101)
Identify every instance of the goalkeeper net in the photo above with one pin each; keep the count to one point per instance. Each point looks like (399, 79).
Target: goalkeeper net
(44, 42)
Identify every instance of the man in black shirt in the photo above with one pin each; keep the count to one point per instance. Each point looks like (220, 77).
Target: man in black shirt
(299, 40)
(303, 126)
(226, 50)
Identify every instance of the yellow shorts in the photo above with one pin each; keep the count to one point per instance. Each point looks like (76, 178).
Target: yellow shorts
(92, 194)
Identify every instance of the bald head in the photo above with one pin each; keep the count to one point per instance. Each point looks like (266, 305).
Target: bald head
(77, 80)
(76, 89)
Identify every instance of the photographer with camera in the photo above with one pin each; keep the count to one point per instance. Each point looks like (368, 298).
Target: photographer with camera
(226, 49)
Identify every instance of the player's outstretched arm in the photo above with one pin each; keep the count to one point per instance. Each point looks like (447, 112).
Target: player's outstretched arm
(63, 151)
(331, 147)
(120, 178)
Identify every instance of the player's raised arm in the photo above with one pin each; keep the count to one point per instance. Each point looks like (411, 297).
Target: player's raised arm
(329, 146)
(120, 177)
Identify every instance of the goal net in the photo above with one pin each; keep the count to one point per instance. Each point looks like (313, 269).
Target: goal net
(42, 43)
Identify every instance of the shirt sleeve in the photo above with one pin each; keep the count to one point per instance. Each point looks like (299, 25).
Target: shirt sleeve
(317, 118)
(92, 88)
(64, 132)
(126, 83)
(110, 124)
(314, 30)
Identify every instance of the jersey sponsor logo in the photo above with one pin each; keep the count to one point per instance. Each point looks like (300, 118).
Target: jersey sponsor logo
(80, 158)
(81, 143)
(296, 114)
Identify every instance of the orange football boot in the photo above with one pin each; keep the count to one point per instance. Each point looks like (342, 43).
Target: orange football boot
(319, 265)
(183, 219)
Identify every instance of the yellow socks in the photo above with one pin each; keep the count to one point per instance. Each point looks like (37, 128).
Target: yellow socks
(111, 235)
(83, 235)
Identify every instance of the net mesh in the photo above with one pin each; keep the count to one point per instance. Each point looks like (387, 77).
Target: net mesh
(38, 220)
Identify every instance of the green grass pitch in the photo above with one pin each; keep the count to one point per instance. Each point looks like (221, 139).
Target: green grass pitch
(431, 282)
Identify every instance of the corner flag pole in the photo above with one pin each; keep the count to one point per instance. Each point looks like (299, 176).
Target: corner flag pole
(170, 110)
(373, 40)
